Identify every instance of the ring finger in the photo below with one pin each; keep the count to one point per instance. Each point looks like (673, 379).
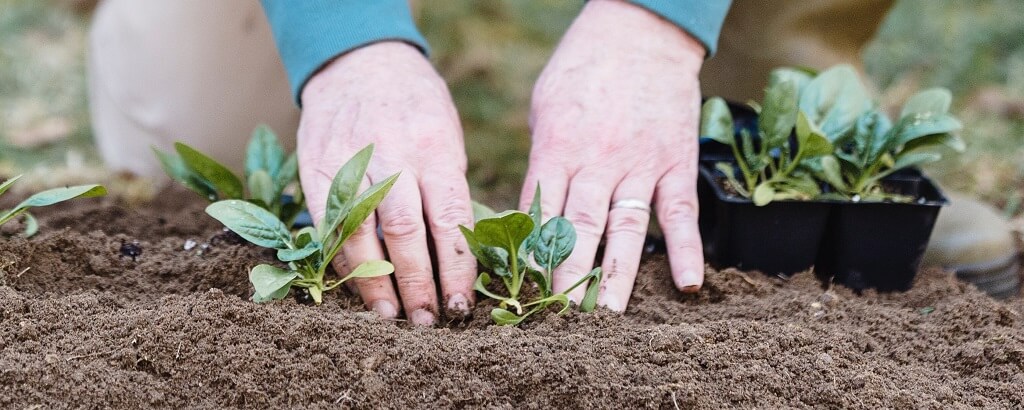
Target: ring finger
(628, 219)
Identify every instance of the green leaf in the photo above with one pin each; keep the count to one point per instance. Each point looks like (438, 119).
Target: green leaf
(56, 195)
(557, 240)
(495, 259)
(812, 141)
(763, 194)
(934, 101)
(482, 281)
(536, 214)
(344, 188)
(799, 77)
(559, 298)
(254, 224)
(834, 100)
(262, 188)
(911, 159)
(53, 196)
(280, 294)
(831, 172)
(716, 121)
(778, 115)
(589, 302)
(31, 225)
(175, 168)
(503, 317)
(364, 205)
(951, 141)
(481, 211)
(917, 126)
(223, 180)
(288, 173)
(541, 280)
(264, 153)
(371, 269)
(268, 280)
(7, 184)
(506, 230)
(291, 255)
(305, 236)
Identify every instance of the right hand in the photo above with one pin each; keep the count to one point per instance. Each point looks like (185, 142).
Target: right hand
(389, 95)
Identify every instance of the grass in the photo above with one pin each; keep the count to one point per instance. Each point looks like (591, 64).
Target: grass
(491, 52)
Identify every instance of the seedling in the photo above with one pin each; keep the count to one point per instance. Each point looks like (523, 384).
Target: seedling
(309, 251)
(876, 148)
(772, 165)
(44, 198)
(505, 242)
(268, 172)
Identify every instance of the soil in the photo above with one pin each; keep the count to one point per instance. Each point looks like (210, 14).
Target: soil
(83, 325)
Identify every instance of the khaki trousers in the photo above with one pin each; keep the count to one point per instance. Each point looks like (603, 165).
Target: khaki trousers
(207, 72)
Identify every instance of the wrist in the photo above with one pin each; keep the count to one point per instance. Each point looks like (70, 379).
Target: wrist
(624, 23)
(352, 63)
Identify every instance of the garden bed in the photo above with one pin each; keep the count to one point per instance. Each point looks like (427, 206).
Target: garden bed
(81, 323)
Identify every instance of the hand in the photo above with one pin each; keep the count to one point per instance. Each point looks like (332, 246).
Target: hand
(615, 117)
(388, 94)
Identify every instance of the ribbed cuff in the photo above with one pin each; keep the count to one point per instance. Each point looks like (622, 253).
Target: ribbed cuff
(701, 18)
(310, 33)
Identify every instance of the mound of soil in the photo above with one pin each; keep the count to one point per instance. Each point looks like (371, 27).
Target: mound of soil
(84, 325)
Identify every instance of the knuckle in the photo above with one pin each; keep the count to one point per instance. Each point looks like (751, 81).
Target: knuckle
(676, 212)
(451, 213)
(586, 222)
(401, 223)
(418, 281)
(628, 222)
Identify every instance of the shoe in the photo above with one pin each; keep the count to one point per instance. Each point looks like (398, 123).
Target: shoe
(974, 240)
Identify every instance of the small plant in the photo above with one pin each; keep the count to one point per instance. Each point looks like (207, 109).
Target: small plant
(268, 172)
(841, 138)
(504, 243)
(877, 148)
(44, 198)
(771, 165)
(309, 251)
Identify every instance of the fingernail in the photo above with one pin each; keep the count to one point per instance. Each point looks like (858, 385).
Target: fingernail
(614, 305)
(422, 317)
(689, 279)
(385, 309)
(690, 289)
(459, 303)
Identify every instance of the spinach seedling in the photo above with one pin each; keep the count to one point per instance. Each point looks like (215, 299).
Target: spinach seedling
(504, 244)
(771, 165)
(268, 172)
(44, 198)
(309, 251)
(876, 147)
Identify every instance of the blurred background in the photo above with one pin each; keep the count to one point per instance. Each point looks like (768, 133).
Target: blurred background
(491, 52)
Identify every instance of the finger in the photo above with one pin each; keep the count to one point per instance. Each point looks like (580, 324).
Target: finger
(446, 200)
(363, 246)
(627, 229)
(405, 235)
(554, 186)
(587, 208)
(676, 206)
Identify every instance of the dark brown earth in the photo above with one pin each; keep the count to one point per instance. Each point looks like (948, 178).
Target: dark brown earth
(83, 326)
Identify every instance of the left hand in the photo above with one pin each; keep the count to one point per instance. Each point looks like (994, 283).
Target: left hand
(615, 117)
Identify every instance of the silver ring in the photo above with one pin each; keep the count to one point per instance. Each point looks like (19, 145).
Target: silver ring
(632, 203)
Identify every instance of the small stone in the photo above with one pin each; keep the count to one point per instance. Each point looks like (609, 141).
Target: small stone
(189, 244)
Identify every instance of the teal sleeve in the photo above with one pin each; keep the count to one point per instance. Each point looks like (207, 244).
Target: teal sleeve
(310, 33)
(701, 18)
